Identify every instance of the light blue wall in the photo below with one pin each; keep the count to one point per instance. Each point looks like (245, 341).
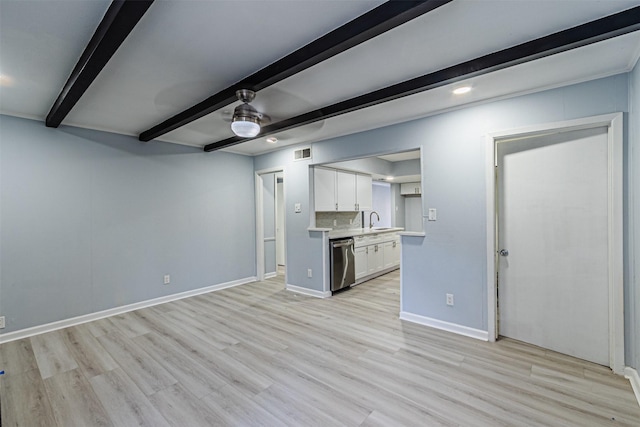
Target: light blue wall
(304, 248)
(91, 220)
(406, 167)
(381, 195)
(370, 165)
(452, 257)
(633, 205)
(397, 206)
(413, 213)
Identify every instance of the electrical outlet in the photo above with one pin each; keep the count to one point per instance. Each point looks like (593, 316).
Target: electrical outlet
(167, 279)
(335, 222)
(309, 273)
(449, 299)
(1, 322)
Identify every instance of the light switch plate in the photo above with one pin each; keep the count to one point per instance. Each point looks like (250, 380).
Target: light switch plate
(297, 208)
(432, 214)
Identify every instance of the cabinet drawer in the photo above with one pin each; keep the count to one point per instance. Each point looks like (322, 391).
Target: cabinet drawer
(360, 241)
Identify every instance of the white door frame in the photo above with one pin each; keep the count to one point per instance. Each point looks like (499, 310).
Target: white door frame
(615, 243)
(280, 244)
(260, 221)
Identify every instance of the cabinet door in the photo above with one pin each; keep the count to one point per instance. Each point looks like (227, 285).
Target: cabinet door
(392, 253)
(361, 262)
(396, 252)
(379, 257)
(364, 192)
(389, 255)
(409, 188)
(346, 191)
(375, 259)
(324, 189)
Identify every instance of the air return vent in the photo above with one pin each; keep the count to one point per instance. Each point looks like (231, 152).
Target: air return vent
(302, 154)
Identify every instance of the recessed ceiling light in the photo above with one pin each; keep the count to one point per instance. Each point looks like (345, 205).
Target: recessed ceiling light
(461, 90)
(389, 178)
(5, 80)
(272, 140)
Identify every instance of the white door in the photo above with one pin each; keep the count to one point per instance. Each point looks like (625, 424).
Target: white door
(269, 222)
(552, 194)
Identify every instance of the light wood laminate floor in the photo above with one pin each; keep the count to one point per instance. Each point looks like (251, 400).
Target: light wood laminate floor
(260, 355)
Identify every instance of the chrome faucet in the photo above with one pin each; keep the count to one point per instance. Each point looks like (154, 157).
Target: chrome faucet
(370, 220)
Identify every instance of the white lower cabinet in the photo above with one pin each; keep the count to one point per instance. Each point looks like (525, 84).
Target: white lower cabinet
(391, 254)
(360, 262)
(375, 259)
(375, 254)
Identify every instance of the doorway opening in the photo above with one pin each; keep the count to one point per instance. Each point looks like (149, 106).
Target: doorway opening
(554, 237)
(366, 201)
(396, 180)
(270, 225)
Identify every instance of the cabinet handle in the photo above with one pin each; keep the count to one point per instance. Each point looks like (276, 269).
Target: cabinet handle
(394, 244)
(357, 207)
(336, 206)
(366, 250)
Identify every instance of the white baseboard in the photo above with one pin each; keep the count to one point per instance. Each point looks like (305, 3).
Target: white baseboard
(445, 326)
(270, 275)
(310, 292)
(633, 377)
(48, 327)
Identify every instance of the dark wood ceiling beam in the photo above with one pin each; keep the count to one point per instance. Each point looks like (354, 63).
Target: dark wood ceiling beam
(592, 32)
(365, 27)
(121, 17)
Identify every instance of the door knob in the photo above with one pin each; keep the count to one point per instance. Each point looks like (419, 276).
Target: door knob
(504, 252)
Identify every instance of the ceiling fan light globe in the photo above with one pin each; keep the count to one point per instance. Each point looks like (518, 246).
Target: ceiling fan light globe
(245, 127)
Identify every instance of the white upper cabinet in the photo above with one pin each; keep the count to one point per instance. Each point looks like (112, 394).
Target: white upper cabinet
(342, 191)
(346, 191)
(364, 192)
(409, 188)
(324, 189)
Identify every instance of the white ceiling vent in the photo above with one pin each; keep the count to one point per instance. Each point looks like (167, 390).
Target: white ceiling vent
(302, 154)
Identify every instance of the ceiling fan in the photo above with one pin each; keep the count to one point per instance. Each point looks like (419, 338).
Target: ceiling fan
(246, 120)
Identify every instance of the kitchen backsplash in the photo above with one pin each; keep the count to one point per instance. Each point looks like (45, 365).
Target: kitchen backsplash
(343, 220)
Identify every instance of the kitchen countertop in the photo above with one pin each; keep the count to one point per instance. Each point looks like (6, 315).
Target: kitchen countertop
(354, 232)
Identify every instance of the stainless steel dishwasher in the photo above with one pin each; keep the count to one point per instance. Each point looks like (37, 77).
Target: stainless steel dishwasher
(343, 272)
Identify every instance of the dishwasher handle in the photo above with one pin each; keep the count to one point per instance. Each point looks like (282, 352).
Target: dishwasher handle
(342, 243)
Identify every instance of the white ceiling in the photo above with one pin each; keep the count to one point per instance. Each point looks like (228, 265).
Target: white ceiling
(181, 52)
